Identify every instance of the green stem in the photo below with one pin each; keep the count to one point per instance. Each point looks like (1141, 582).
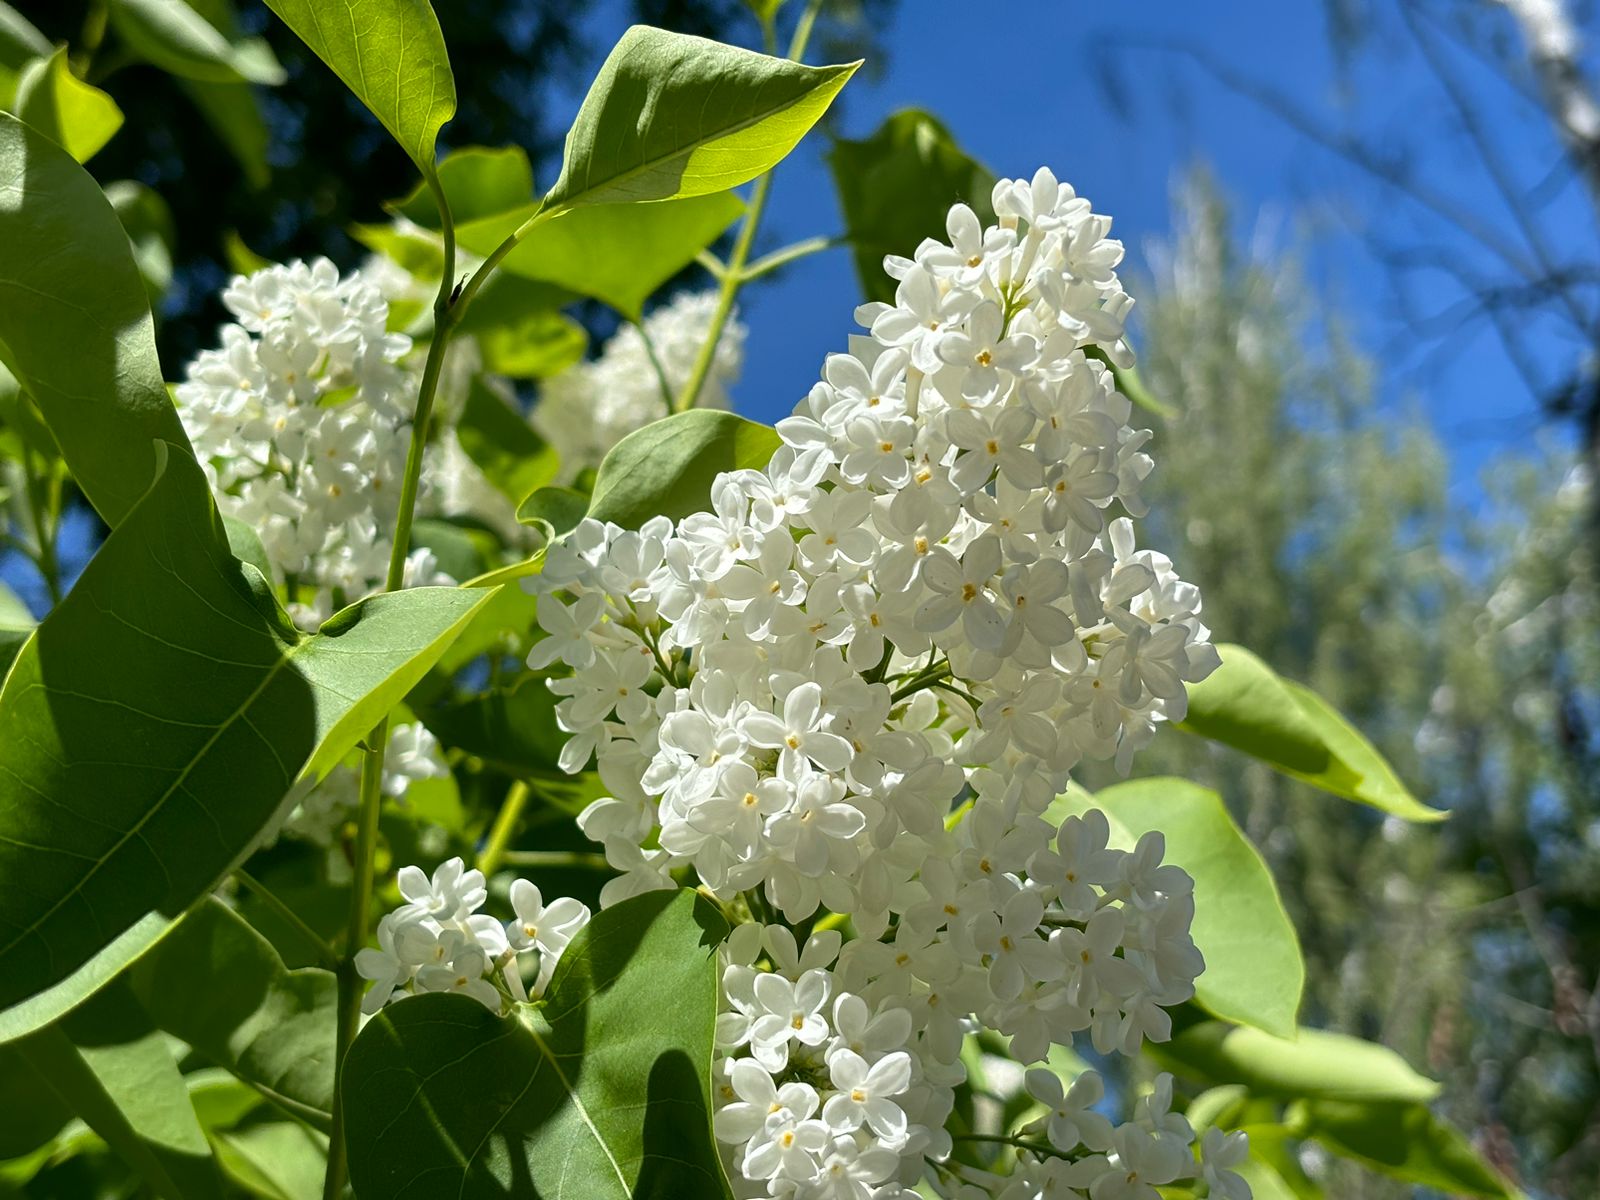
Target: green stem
(326, 958)
(555, 858)
(789, 254)
(349, 1012)
(1006, 1139)
(655, 361)
(447, 308)
(926, 679)
(505, 825)
(734, 275)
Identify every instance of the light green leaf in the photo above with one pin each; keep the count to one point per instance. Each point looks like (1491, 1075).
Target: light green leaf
(16, 624)
(277, 1160)
(1247, 705)
(154, 724)
(173, 36)
(1265, 1183)
(217, 984)
(671, 115)
(20, 44)
(667, 467)
(1403, 1140)
(391, 54)
(116, 1071)
(896, 188)
(503, 445)
(600, 1093)
(75, 325)
(148, 222)
(77, 116)
(1254, 974)
(554, 510)
(479, 181)
(616, 253)
(1315, 1063)
(537, 345)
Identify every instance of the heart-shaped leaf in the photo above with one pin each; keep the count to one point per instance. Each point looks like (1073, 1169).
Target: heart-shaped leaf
(154, 724)
(667, 467)
(602, 1092)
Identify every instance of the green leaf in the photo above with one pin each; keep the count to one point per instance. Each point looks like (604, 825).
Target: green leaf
(148, 222)
(477, 180)
(75, 325)
(1254, 974)
(671, 115)
(513, 729)
(1265, 1183)
(503, 445)
(555, 510)
(154, 724)
(217, 984)
(896, 188)
(1315, 1063)
(244, 543)
(616, 253)
(537, 345)
(173, 36)
(459, 553)
(16, 624)
(116, 1071)
(77, 116)
(277, 1160)
(30, 1113)
(667, 467)
(600, 1093)
(1247, 705)
(391, 54)
(20, 44)
(1402, 1140)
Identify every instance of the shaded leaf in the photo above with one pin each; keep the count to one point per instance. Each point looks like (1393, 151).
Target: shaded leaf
(116, 1071)
(126, 790)
(504, 446)
(1405, 1141)
(16, 624)
(667, 468)
(512, 729)
(391, 54)
(896, 188)
(671, 115)
(232, 111)
(75, 324)
(555, 510)
(77, 116)
(219, 985)
(1254, 974)
(148, 222)
(601, 1092)
(1247, 705)
(616, 253)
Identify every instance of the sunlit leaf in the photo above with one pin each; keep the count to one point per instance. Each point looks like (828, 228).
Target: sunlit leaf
(77, 116)
(671, 115)
(154, 724)
(176, 38)
(148, 222)
(391, 54)
(479, 181)
(75, 324)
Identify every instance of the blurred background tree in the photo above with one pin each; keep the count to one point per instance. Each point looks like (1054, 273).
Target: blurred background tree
(1316, 522)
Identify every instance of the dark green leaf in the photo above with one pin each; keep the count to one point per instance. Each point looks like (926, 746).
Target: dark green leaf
(173, 36)
(1247, 705)
(232, 111)
(616, 253)
(1254, 973)
(1403, 1140)
(504, 446)
(391, 54)
(77, 116)
(1316, 1063)
(601, 1093)
(148, 221)
(555, 510)
(30, 1113)
(671, 115)
(154, 724)
(116, 1071)
(75, 325)
(667, 467)
(478, 181)
(896, 188)
(219, 985)
(512, 729)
